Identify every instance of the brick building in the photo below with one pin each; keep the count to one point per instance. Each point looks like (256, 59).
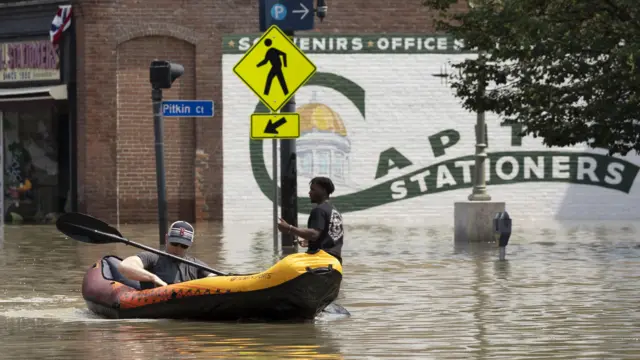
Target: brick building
(108, 167)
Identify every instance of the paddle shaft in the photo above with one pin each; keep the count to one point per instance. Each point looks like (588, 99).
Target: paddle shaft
(155, 251)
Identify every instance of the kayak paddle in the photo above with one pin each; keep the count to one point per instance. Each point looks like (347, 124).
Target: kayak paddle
(90, 230)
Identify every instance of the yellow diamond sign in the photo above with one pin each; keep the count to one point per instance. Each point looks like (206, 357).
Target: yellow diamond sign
(274, 68)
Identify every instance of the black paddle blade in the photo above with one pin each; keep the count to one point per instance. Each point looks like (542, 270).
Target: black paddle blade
(83, 228)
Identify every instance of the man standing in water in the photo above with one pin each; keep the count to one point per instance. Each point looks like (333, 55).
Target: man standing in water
(324, 227)
(273, 57)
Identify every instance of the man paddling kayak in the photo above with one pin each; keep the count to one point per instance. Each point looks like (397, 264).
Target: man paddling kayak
(150, 268)
(324, 227)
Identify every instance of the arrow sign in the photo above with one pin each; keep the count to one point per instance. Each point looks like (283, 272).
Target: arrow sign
(288, 15)
(272, 127)
(304, 11)
(275, 126)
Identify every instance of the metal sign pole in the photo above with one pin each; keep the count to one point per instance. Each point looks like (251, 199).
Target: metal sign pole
(162, 74)
(282, 122)
(161, 182)
(274, 157)
(2, 177)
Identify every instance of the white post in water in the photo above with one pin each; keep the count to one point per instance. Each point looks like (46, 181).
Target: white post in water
(473, 219)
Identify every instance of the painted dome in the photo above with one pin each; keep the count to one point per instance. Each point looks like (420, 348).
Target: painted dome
(315, 117)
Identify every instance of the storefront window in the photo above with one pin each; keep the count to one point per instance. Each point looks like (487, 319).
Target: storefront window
(31, 164)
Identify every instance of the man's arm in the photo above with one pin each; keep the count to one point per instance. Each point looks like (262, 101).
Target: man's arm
(307, 234)
(204, 273)
(316, 224)
(133, 268)
(284, 59)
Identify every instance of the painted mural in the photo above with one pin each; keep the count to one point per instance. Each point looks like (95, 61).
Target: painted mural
(379, 118)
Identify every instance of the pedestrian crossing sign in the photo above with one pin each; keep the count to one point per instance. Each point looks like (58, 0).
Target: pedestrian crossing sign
(274, 68)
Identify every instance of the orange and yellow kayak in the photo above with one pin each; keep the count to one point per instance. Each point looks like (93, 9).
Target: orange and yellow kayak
(298, 287)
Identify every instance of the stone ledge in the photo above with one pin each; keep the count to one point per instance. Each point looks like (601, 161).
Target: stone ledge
(473, 220)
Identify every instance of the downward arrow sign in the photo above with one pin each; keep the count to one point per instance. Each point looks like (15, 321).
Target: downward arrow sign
(272, 127)
(304, 11)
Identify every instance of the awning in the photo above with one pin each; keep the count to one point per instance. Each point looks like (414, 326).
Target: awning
(56, 92)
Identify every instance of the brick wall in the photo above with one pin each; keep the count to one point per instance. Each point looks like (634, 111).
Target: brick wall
(135, 160)
(117, 41)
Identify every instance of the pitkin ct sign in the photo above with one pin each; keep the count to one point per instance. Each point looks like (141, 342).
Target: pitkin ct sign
(28, 61)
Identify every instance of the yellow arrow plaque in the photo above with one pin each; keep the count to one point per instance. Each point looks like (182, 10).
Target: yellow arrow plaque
(275, 126)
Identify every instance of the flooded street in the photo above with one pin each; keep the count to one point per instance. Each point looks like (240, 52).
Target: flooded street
(566, 291)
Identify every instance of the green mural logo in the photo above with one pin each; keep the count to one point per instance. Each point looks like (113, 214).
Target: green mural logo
(324, 148)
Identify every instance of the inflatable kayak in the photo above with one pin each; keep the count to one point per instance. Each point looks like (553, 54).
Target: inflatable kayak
(298, 287)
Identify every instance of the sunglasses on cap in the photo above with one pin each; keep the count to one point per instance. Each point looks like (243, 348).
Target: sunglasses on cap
(181, 245)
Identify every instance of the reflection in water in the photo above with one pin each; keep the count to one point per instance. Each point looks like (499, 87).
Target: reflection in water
(566, 291)
(170, 339)
(502, 270)
(482, 302)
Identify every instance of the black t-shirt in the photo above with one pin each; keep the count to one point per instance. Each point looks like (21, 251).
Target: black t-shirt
(170, 270)
(326, 219)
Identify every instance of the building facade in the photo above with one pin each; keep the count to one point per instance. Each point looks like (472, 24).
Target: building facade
(38, 114)
(94, 106)
(381, 120)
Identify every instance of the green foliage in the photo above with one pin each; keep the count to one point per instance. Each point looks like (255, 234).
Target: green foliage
(567, 70)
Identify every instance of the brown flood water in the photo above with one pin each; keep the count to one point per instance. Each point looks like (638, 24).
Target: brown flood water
(567, 291)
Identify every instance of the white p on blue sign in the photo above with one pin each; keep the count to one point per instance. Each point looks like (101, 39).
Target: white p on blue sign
(278, 12)
(187, 108)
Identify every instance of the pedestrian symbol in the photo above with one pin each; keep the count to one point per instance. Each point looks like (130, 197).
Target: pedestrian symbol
(272, 57)
(274, 68)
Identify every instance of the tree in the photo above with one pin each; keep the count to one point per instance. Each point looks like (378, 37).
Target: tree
(567, 70)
